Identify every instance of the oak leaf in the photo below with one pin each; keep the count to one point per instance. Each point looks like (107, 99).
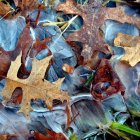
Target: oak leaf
(131, 45)
(21, 7)
(34, 87)
(94, 15)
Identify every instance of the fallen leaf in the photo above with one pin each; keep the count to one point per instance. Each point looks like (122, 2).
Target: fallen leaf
(39, 46)
(77, 48)
(27, 5)
(7, 137)
(21, 8)
(28, 48)
(5, 62)
(4, 9)
(67, 68)
(33, 87)
(68, 112)
(16, 98)
(106, 82)
(23, 44)
(12, 123)
(131, 45)
(94, 15)
(51, 136)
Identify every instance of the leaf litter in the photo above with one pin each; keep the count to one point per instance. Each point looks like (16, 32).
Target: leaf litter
(69, 69)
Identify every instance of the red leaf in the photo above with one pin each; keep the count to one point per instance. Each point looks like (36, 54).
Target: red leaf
(51, 136)
(106, 81)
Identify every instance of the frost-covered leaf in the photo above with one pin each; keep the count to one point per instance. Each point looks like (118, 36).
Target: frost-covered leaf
(74, 83)
(14, 125)
(111, 28)
(97, 115)
(132, 10)
(10, 31)
(52, 123)
(133, 104)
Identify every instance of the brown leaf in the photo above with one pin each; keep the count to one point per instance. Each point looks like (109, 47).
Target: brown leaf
(26, 6)
(77, 50)
(93, 61)
(67, 68)
(6, 137)
(39, 46)
(28, 49)
(3, 137)
(106, 75)
(4, 9)
(16, 97)
(94, 17)
(26, 46)
(33, 87)
(131, 45)
(23, 7)
(23, 44)
(51, 136)
(5, 62)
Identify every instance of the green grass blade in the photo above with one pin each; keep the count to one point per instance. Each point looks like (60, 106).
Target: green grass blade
(124, 128)
(120, 134)
(89, 80)
(73, 137)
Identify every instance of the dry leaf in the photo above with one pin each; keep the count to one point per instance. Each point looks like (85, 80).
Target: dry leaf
(23, 8)
(51, 136)
(6, 137)
(106, 82)
(77, 50)
(33, 87)
(131, 45)
(26, 6)
(4, 63)
(67, 68)
(3, 137)
(94, 15)
(4, 9)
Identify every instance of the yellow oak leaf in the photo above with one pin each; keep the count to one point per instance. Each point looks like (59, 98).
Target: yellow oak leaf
(34, 86)
(131, 45)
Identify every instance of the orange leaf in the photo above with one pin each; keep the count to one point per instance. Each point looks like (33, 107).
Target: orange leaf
(4, 9)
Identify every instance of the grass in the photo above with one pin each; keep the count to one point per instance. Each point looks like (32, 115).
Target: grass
(121, 130)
